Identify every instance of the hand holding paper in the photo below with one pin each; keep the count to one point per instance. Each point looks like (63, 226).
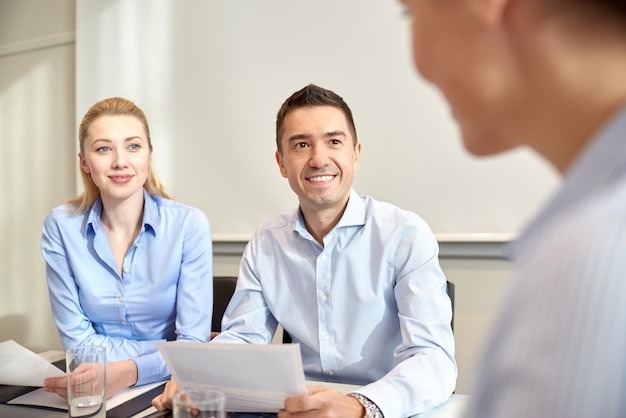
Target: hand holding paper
(254, 377)
(21, 367)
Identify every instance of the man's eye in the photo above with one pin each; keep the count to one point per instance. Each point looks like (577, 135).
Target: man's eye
(301, 145)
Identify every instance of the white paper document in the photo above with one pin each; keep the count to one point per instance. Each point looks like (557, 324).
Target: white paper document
(51, 400)
(21, 367)
(254, 377)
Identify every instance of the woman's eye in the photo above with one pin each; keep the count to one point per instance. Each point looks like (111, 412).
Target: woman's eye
(103, 149)
(134, 147)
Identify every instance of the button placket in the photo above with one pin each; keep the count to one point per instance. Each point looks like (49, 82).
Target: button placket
(323, 281)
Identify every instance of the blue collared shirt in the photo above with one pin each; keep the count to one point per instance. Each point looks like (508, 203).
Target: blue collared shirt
(165, 292)
(559, 346)
(369, 307)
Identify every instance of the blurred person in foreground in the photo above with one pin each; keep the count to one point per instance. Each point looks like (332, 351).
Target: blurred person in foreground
(549, 75)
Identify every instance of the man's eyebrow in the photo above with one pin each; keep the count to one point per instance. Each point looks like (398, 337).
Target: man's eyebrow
(297, 137)
(335, 133)
(331, 134)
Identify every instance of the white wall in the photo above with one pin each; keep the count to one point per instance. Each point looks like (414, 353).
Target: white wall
(211, 75)
(38, 171)
(37, 153)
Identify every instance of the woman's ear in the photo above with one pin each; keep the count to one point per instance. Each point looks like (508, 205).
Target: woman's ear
(83, 163)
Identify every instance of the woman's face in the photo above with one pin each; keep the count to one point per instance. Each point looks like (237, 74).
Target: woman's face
(117, 156)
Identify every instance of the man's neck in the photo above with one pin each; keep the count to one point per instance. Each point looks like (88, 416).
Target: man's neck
(321, 222)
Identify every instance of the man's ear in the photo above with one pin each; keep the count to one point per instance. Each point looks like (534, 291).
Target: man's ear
(281, 166)
(493, 11)
(357, 155)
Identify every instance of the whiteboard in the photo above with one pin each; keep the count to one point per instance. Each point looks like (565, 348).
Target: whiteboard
(211, 75)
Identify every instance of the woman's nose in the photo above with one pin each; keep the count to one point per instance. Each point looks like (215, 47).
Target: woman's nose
(119, 161)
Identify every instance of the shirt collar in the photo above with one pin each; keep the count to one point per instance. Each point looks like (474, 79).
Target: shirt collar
(151, 219)
(600, 164)
(354, 215)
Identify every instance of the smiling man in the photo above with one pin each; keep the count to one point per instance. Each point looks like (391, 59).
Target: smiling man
(354, 281)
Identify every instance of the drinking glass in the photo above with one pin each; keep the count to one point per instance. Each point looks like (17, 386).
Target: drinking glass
(201, 402)
(86, 381)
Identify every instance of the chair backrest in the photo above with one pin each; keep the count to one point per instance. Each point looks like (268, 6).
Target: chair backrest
(223, 289)
(449, 290)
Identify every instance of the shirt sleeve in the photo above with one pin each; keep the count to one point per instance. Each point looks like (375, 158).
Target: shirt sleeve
(194, 301)
(426, 373)
(247, 317)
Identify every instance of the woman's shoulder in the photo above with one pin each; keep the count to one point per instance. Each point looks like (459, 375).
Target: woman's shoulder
(65, 212)
(170, 207)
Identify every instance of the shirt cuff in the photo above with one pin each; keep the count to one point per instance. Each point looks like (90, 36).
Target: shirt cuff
(151, 368)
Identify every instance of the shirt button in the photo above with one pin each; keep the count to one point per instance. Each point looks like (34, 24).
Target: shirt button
(331, 372)
(323, 298)
(325, 337)
(123, 322)
(323, 258)
(126, 270)
(136, 245)
(121, 298)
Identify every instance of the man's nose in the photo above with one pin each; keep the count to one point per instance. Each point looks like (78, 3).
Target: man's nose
(319, 157)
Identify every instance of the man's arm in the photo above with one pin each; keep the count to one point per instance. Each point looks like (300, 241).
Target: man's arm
(426, 373)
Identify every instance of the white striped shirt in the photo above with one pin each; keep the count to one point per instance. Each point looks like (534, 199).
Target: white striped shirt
(369, 307)
(559, 345)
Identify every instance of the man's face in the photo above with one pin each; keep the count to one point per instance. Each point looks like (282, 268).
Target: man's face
(318, 157)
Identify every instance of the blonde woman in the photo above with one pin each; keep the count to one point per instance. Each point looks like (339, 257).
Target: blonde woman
(126, 265)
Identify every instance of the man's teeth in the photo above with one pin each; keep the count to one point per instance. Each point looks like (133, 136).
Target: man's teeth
(321, 178)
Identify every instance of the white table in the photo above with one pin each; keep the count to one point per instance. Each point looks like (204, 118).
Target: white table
(452, 408)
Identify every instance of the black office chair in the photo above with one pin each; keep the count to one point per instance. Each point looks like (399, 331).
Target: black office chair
(449, 290)
(223, 289)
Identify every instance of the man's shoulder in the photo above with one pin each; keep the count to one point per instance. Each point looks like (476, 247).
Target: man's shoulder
(386, 211)
(278, 223)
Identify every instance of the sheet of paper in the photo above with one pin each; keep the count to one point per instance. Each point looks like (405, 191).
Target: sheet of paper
(21, 367)
(51, 400)
(255, 377)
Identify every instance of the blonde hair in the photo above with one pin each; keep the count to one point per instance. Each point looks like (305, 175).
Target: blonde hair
(111, 107)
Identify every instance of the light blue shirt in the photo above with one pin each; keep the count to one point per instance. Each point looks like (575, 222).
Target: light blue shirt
(165, 293)
(559, 345)
(368, 308)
